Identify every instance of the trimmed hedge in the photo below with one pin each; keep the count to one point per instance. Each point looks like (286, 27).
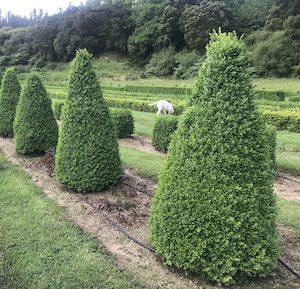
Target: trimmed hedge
(87, 157)
(295, 98)
(150, 89)
(283, 119)
(164, 128)
(271, 136)
(35, 128)
(214, 209)
(9, 97)
(123, 121)
(139, 105)
(270, 95)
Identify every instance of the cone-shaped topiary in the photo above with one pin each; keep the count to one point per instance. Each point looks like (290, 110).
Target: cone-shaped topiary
(214, 210)
(9, 96)
(87, 157)
(35, 128)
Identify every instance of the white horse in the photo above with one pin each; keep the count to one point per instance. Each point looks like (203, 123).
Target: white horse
(163, 105)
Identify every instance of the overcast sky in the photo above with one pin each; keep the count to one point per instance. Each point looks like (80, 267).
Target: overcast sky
(23, 7)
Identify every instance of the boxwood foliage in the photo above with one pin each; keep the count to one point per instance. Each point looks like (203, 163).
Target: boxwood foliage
(271, 135)
(87, 157)
(214, 209)
(123, 121)
(164, 128)
(35, 128)
(9, 96)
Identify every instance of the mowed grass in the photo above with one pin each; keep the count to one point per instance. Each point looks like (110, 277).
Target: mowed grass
(288, 151)
(144, 122)
(40, 249)
(289, 214)
(291, 85)
(145, 164)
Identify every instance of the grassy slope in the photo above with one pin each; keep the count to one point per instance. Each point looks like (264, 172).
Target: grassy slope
(40, 248)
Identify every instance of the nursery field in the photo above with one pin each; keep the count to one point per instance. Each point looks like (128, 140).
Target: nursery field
(103, 240)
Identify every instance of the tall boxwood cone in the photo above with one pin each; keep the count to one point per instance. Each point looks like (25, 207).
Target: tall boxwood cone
(87, 157)
(9, 96)
(35, 128)
(214, 209)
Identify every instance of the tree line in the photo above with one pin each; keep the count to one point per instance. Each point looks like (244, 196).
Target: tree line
(143, 28)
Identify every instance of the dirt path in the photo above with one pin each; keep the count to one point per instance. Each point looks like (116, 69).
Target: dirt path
(130, 207)
(140, 143)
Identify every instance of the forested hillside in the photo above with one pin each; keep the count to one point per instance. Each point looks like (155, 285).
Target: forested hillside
(168, 36)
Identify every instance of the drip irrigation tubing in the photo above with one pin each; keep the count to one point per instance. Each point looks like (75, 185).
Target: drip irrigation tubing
(286, 178)
(119, 228)
(290, 269)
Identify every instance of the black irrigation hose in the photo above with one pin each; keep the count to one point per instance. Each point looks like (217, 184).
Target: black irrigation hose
(286, 178)
(290, 269)
(141, 191)
(124, 232)
(119, 228)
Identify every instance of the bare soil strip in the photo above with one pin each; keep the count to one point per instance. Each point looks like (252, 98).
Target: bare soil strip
(129, 205)
(140, 143)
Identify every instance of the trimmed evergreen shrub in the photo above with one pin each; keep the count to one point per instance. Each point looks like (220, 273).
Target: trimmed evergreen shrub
(164, 128)
(35, 128)
(214, 209)
(271, 135)
(123, 121)
(9, 96)
(87, 157)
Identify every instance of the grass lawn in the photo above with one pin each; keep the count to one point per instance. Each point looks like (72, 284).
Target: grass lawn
(289, 214)
(145, 164)
(40, 249)
(288, 151)
(291, 85)
(144, 122)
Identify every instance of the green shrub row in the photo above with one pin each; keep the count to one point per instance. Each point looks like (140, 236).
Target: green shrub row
(139, 105)
(271, 136)
(270, 95)
(163, 129)
(123, 121)
(150, 89)
(294, 98)
(283, 119)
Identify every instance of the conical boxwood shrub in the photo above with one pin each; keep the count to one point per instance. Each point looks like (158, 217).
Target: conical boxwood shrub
(87, 157)
(35, 128)
(214, 210)
(9, 96)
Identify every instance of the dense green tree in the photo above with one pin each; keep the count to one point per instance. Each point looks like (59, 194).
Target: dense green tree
(35, 128)
(9, 96)
(280, 11)
(214, 209)
(274, 53)
(87, 157)
(198, 21)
